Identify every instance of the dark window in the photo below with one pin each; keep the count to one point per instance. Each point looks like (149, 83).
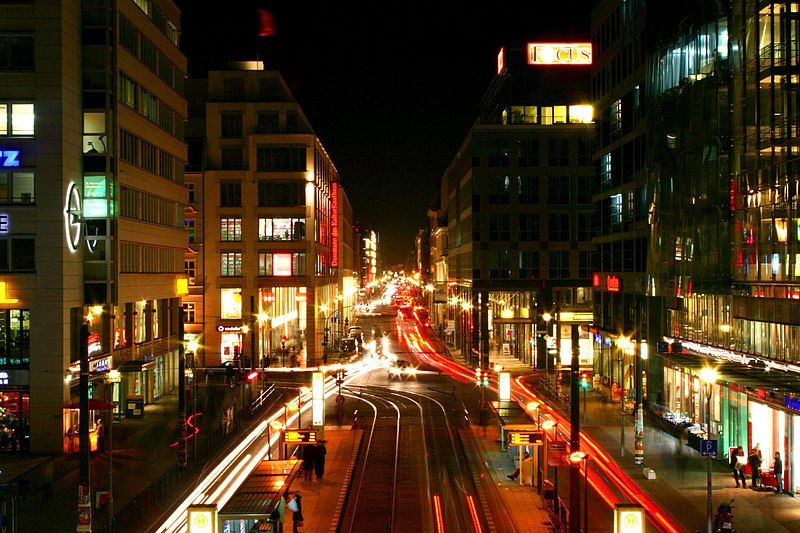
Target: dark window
(584, 152)
(269, 90)
(528, 152)
(529, 227)
(528, 189)
(498, 152)
(585, 265)
(281, 158)
(16, 51)
(585, 229)
(558, 153)
(268, 122)
(499, 227)
(190, 188)
(128, 36)
(232, 157)
(500, 190)
(233, 89)
(280, 193)
(558, 190)
(585, 189)
(129, 147)
(295, 123)
(149, 55)
(17, 254)
(559, 265)
(231, 125)
(558, 227)
(529, 265)
(230, 193)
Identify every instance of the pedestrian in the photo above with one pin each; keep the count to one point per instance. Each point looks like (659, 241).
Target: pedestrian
(754, 460)
(777, 469)
(319, 459)
(278, 515)
(515, 474)
(296, 506)
(737, 466)
(309, 456)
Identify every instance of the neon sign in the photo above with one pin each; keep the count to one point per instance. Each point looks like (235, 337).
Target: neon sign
(73, 217)
(559, 53)
(9, 158)
(613, 284)
(334, 224)
(4, 225)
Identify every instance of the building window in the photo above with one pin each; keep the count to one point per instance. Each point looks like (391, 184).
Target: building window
(498, 152)
(16, 187)
(231, 125)
(585, 229)
(18, 254)
(499, 264)
(584, 152)
(190, 231)
(233, 89)
(559, 265)
(500, 192)
(580, 114)
(190, 268)
(149, 106)
(16, 51)
(529, 227)
(616, 118)
(281, 193)
(558, 190)
(268, 122)
(280, 264)
(15, 337)
(127, 91)
(585, 266)
(529, 265)
(190, 189)
(281, 158)
(231, 229)
(230, 304)
(232, 157)
(149, 156)
(144, 5)
(584, 190)
(128, 147)
(558, 153)
(295, 123)
(616, 211)
(189, 312)
(269, 90)
(527, 114)
(528, 189)
(528, 152)
(499, 227)
(605, 171)
(230, 193)
(558, 227)
(230, 264)
(17, 119)
(282, 229)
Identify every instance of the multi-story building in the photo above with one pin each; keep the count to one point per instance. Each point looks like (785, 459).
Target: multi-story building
(268, 216)
(93, 197)
(520, 217)
(437, 228)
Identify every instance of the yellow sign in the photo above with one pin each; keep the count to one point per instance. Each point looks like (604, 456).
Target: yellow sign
(524, 438)
(300, 436)
(628, 518)
(559, 53)
(202, 518)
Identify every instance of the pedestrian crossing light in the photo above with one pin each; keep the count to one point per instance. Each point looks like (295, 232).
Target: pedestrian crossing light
(584, 380)
(485, 378)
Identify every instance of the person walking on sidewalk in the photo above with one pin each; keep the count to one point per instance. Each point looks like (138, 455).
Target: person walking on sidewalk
(754, 460)
(309, 455)
(319, 459)
(737, 466)
(296, 507)
(278, 516)
(777, 469)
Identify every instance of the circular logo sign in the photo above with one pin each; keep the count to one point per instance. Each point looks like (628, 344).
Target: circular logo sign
(73, 217)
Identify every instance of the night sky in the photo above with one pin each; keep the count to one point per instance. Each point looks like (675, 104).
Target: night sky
(391, 89)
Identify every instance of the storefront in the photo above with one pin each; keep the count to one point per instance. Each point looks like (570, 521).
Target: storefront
(768, 431)
(14, 419)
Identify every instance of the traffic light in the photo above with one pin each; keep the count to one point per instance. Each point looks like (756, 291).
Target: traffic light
(478, 377)
(325, 338)
(485, 378)
(283, 342)
(584, 380)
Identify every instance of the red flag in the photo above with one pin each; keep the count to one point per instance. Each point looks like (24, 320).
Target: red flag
(266, 23)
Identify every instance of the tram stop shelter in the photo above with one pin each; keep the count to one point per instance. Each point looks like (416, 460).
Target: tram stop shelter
(510, 414)
(248, 509)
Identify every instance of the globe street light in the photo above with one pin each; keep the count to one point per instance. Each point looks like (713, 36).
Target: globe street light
(708, 376)
(574, 458)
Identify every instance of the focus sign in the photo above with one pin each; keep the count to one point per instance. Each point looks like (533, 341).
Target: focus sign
(300, 436)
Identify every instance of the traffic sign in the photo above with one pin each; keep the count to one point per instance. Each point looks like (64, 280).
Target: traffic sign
(708, 447)
(300, 436)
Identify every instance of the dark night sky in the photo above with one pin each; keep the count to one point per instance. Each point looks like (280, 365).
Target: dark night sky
(391, 89)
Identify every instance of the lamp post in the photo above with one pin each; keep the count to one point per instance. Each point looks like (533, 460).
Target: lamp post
(623, 344)
(708, 376)
(275, 425)
(547, 425)
(547, 317)
(576, 458)
(113, 379)
(536, 406)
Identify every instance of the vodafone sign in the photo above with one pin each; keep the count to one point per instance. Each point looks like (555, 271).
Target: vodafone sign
(559, 53)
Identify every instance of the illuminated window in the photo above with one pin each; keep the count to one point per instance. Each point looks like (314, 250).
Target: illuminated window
(230, 264)
(616, 117)
(605, 173)
(190, 268)
(231, 229)
(281, 264)
(16, 188)
(231, 304)
(547, 115)
(15, 337)
(281, 229)
(20, 117)
(524, 114)
(559, 114)
(580, 114)
(616, 210)
(144, 5)
(189, 312)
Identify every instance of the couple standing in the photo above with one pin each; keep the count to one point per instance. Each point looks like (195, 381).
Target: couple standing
(314, 460)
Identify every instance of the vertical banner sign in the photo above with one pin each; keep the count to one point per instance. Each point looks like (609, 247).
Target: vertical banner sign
(334, 224)
(202, 518)
(504, 386)
(84, 508)
(628, 518)
(317, 399)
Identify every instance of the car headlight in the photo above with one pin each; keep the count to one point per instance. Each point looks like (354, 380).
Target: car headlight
(394, 371)
(411, 371)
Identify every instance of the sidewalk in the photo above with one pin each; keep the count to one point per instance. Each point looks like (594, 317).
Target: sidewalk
(680, 485)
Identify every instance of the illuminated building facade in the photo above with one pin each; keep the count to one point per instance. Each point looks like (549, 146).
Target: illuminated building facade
(519, 212)
(268, 217)
(437, 299)
(91, 211)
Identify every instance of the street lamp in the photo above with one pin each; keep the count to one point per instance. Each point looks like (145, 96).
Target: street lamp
(547, 425)
(275, 425)
(708, 376)
(536, 406)
(623, 345)
(547, 317)
(574, 458)
(113, 380)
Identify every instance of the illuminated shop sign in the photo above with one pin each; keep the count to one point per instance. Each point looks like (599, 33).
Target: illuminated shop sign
(335, 224)
(9, 158)
(73, 216)
(229, 329)
(100, 365)
(559, 53)
(596, 280)
(4, 223)
(793, 403)
(613, 284)
(4, 378)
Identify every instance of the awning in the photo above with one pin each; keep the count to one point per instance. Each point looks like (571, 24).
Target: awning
(94, 405)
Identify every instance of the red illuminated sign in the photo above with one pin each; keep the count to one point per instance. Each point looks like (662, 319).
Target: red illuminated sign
(501, 60)
(559, 53)
(595, 280)
(613, 284)
(334, 224)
